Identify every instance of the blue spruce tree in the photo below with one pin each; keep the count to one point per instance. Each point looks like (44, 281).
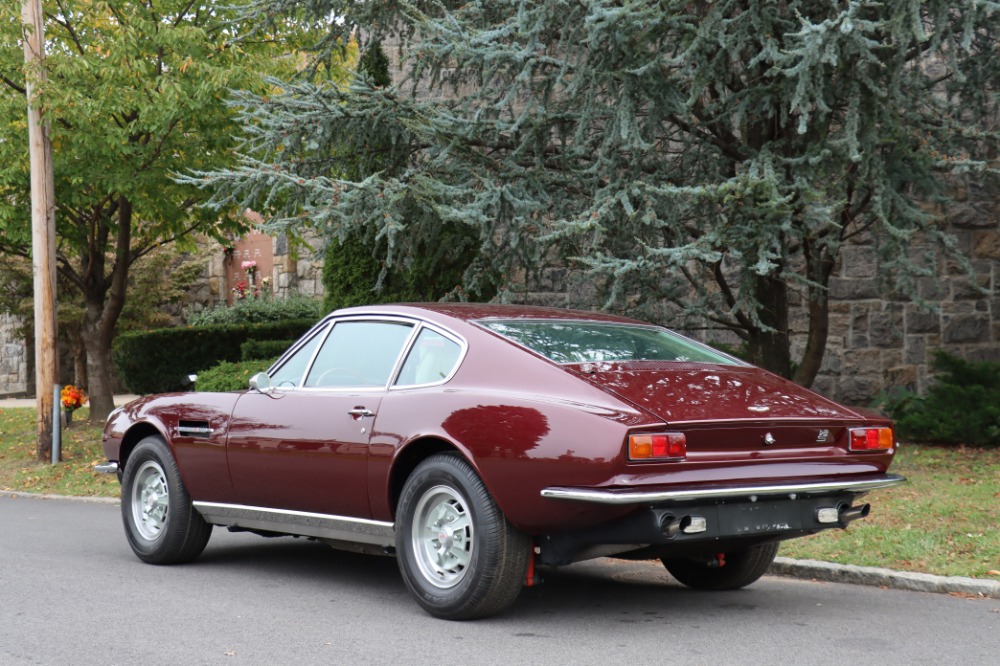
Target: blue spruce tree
(699, 159)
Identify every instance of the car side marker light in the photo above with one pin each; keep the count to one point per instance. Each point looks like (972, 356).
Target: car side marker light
(657, 446)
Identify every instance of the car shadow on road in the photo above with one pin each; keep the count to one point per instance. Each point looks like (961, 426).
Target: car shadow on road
(629, 592)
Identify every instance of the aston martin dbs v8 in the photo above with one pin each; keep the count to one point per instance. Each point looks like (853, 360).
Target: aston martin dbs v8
(478, 442)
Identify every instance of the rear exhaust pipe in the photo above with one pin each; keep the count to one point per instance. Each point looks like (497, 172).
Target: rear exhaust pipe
(673, 525)
(848, 514)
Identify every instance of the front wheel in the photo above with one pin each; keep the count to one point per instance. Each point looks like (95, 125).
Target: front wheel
(740, 568)
(457, 553)
(161, 524)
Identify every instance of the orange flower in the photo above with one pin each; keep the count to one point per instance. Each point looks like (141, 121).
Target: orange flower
(72, 398)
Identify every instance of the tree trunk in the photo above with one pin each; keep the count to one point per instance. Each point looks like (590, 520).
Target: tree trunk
(769, 348)
(98, 352)
(819, 270)
(104, 299)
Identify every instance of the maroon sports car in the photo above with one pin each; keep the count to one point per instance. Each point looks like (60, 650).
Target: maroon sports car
(478, 441)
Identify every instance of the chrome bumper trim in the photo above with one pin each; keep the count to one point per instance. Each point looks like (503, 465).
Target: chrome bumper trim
(733, 492)
(320, 525)
(107, 468)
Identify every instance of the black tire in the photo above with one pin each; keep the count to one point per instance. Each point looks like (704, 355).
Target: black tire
(473, 571)
(161, 524)
(742, 567)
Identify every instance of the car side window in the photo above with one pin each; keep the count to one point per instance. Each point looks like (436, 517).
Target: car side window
(289, 375)
(359, 354)
(432, 359)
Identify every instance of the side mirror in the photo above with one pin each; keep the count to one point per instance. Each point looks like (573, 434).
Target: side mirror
(261, 383)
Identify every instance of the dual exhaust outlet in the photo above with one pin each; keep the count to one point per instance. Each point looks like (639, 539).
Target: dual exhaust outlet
(843, 514)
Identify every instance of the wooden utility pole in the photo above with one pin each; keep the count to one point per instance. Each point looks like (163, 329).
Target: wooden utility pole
(43, 229)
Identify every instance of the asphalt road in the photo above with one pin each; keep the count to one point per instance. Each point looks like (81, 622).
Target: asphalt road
(71, 592)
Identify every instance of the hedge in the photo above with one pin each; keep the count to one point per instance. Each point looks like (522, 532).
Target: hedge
(228, 376)
(160, 360)
(254, 349)
(257, 311)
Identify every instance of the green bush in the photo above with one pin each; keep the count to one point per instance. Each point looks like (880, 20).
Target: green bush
(230, 376)
(160, 360)
(252, 350)
(257, 310)
(963, 407)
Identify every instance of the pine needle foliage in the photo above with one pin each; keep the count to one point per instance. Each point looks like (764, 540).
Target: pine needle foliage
(431, 265)
(702, 160)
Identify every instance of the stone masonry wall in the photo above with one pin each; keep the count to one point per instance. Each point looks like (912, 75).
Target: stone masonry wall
(13, 357)
(877, 343)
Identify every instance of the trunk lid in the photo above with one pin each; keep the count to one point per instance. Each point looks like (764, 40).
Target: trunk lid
(698, 392)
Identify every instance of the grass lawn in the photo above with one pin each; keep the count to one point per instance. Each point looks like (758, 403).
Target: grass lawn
(81, 450)
(943, 521)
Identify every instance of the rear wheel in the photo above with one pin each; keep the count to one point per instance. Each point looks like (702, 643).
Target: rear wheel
(457, 553)
(740, 568)
(160, 522)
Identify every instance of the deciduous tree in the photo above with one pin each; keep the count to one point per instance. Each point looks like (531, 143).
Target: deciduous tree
(136, 91)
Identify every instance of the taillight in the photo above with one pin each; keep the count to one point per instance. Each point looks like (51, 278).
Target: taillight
(871, 439)
(657, 446)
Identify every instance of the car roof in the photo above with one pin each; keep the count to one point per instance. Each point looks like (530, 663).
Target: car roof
(476, 311)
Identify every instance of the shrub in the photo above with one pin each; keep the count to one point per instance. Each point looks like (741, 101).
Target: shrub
(252, 350)
(963, 407)
(160, 360)
(257, 310)
(230, 376)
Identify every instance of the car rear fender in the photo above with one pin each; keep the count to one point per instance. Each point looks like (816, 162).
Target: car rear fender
(408, 458)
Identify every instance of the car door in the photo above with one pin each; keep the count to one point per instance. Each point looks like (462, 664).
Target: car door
(304, 445)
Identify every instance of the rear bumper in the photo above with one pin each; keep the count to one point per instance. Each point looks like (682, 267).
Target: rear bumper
(713, 520)
(792, 490)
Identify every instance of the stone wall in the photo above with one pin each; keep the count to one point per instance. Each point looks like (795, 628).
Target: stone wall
(298, 269)
(13, 357)
(879, 342)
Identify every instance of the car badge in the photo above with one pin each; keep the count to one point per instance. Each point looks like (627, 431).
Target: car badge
(769, 439)
(759, 408)
(823, 436)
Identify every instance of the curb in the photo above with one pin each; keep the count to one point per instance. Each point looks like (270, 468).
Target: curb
(898, 580)
(13, 494)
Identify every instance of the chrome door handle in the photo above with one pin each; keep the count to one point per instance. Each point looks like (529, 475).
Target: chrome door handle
(360, 412)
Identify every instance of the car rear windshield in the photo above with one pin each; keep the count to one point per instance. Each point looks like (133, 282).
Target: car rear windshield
(594, 342)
